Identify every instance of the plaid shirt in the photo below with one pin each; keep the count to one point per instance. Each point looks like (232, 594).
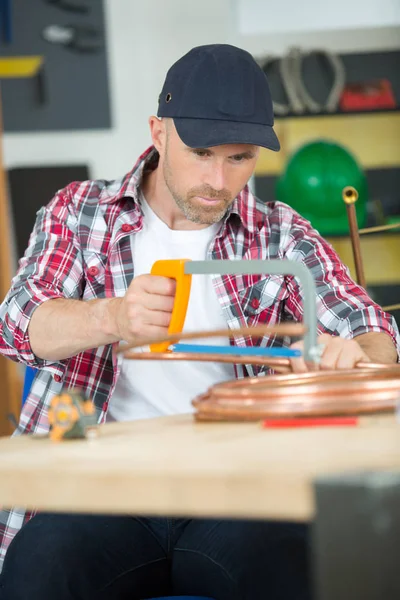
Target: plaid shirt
(80, 248)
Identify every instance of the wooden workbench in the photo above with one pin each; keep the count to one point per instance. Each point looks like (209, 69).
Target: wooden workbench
(175, 466)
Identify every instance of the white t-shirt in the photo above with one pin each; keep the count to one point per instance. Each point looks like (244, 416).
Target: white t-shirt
(147, 389)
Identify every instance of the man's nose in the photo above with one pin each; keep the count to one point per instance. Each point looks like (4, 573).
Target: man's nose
(216, 177)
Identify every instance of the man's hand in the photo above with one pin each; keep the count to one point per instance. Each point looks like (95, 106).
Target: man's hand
(62, 328)
(146, 308)
(339, 353)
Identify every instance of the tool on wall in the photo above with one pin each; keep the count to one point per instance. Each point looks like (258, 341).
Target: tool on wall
(6, 20)
(14, 67)
(79, 38)
(82, 38)
(299, 99)
(76, 6)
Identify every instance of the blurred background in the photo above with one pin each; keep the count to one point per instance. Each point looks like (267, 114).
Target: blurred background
(79, 79)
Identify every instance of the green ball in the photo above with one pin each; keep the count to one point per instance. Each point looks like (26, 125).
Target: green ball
(313, 181)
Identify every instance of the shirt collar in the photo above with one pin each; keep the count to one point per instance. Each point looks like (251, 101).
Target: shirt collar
(244, 205)
(128, 186)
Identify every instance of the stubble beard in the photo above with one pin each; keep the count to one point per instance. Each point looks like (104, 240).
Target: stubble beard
(204, 215)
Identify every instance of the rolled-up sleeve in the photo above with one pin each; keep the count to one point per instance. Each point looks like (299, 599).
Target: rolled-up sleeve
(343, 307)
(51, 268)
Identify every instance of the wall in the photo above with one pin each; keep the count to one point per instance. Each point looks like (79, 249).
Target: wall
(144, 38)
(256, 16)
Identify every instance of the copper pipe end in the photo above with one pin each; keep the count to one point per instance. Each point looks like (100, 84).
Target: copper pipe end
(349, 194)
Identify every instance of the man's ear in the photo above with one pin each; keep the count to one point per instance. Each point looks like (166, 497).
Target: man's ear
(158, 132)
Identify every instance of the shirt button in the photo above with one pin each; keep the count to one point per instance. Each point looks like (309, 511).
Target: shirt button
(255, 303)
(57, 378)
(126, 228)
(93, 271)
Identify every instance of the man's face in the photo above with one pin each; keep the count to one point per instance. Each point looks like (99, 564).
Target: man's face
(205, 181)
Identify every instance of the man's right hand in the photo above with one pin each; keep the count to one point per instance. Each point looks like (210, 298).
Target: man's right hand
(146, 308)
(62, 328)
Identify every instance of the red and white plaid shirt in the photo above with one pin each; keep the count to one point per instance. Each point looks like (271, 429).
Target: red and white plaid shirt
(80, 248)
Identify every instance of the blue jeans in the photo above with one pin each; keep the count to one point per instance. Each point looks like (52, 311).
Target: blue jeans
(68, 557)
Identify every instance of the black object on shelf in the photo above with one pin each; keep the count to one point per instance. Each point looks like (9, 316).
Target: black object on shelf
(42, 91)
(76, 6)
(6, 20)
(30, 188)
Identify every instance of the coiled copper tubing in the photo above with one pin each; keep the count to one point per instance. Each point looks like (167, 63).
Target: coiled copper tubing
(366, 389)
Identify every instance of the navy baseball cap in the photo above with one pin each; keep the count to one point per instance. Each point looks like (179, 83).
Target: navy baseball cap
(217, 94)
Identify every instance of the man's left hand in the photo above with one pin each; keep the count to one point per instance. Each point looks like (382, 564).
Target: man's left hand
(339, 353)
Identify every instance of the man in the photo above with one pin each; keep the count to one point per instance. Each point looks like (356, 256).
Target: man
(83, 286)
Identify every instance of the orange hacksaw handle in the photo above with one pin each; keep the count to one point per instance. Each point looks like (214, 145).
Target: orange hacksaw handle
(174, 269)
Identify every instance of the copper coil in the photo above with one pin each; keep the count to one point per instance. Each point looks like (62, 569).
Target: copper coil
(364, 390)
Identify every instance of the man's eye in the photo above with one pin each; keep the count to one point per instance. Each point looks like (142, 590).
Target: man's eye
(238, 158)
(201, 153)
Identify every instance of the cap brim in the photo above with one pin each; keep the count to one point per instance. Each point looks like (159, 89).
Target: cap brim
(205, 133)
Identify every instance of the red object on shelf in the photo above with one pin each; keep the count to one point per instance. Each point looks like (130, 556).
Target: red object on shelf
(309, 422)
(368, 95)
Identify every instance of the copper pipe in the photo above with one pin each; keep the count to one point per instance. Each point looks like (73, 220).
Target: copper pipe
(391, 307)
(379, 228)
(280, 365)
(258, 331)
(379, 366)
(350, 197)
